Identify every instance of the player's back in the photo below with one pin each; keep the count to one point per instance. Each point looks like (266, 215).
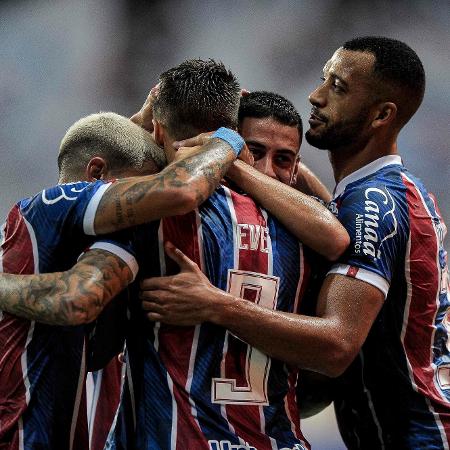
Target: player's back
(201, 387)
(42, 366)
(398, 383)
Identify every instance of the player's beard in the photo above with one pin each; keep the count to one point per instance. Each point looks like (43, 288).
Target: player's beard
(339, 135)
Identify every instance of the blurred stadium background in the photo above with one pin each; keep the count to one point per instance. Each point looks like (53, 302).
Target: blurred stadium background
(64, 59)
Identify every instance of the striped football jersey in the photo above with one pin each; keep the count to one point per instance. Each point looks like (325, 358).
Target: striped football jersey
(396, 394)
(42, 367)
(201, 387)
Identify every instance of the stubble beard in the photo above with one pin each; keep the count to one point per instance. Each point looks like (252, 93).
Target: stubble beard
(341, 135)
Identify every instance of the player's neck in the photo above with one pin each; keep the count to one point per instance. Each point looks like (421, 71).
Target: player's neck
(347, 160)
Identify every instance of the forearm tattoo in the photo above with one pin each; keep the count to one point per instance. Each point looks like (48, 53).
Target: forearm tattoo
(197, 175)
(66, 298)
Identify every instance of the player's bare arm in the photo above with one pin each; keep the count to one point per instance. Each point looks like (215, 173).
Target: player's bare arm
(327, 344)
(73, 297)
(177, 189)
(307, 219)
(308, 183)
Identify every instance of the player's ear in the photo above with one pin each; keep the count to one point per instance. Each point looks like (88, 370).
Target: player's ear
(384, 114)
(96, 169)
(158, 133)
(294, 173)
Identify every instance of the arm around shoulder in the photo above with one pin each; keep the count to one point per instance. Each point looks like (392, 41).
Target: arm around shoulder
(306, 218)
(178, 189)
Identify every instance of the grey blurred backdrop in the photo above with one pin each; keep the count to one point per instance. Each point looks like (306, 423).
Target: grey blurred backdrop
(64, 59)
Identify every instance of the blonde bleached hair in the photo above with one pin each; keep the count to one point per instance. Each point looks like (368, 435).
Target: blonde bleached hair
(122, 143)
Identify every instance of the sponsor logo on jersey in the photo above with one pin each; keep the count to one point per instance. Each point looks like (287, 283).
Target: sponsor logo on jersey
(367, 238)
(227, 445)
(252, 237)
(62, 194)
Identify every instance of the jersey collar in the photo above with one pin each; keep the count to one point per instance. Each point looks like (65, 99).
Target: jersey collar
(366, 170)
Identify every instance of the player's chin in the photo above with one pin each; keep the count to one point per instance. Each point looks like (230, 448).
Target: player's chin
(315, 138)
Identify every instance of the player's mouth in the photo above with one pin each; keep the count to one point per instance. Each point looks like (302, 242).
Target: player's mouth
(315, 118)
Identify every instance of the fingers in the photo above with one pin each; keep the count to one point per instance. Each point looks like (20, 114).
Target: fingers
(191, 142)
(151, 284)
(154, 91)
(179, 257)
(247, 156)
(137, 118)
(244, 92)
(200, 139)
(152, 306)
(187, 152)
(154, 317)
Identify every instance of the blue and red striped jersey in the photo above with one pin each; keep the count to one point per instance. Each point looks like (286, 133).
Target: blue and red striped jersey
(396, 394)
(42, 367)
(201, 387)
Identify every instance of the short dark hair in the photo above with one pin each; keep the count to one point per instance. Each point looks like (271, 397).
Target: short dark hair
(197, 96)
(261, 104)
(398, 66)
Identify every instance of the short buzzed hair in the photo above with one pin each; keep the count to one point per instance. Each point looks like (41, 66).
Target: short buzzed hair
(197, 96)
(261, 104)
(122, 143)
(397, 67)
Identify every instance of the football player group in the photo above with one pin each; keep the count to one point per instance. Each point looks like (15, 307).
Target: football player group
(237, 300)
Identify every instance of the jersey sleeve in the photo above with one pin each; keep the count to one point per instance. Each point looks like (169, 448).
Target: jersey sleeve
(74, 202)
(121, 244)
(373, 217)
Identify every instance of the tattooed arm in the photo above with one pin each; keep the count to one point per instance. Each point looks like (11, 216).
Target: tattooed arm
(73, 297)
(178, 189)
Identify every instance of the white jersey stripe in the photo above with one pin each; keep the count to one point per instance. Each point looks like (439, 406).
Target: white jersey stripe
(406, 316)
(173, 432)
(95, 394)
(223, 408)
(24, 358)
(370, 404)
(234, 222)
(91, 209)
(80, 389)
(193, 355)
(262, 417)
(34, 245)
(126, 371)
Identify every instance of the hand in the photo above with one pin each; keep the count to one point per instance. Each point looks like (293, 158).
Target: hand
(195, 141)
(202, 139)
(192, 146)
(247, 156)
(187, 152)
(185, 299)
(144, 117)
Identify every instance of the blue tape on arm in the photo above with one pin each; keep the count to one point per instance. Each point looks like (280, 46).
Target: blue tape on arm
(231, 137)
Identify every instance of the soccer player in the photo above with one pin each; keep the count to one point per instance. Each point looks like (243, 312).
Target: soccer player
(200, 387)
(391, 287)
(281, 148)
(396, 392)
(273, 131)
(42, 368)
